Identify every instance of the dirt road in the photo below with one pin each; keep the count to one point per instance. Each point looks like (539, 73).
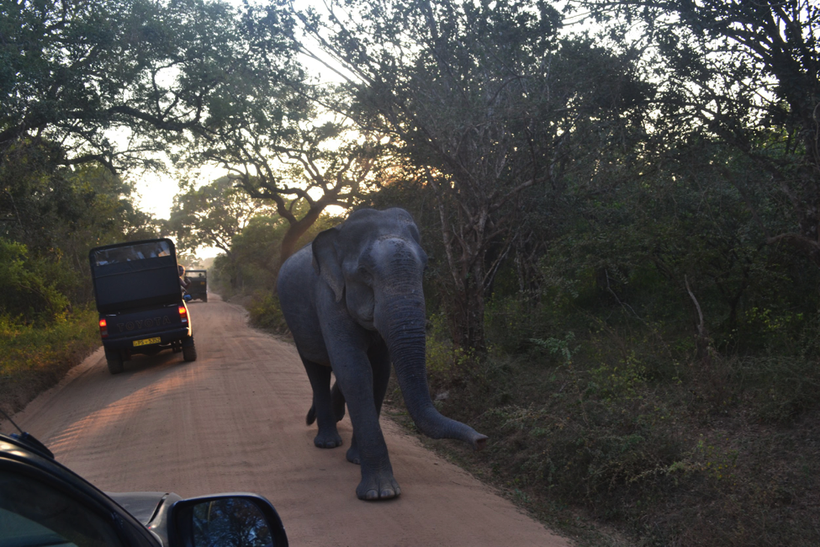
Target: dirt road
(234, 420)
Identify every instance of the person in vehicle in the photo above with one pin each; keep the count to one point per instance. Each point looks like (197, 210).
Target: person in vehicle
(183, 281)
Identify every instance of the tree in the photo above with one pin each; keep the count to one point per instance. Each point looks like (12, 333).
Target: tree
(482, 101)
(212, 215)
(49, 218)
(59, 212)
(105, 85)
(72, 71)
(254, 256)
(277, 148)
(256, 249)
(746, 74)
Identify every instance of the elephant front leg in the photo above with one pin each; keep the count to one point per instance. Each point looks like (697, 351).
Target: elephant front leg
(319, 376)
(380, 365)
(368, 448)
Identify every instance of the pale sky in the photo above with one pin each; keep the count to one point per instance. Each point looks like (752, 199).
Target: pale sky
(155, 194)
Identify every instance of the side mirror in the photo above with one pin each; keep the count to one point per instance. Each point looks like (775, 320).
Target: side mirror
(234, 520)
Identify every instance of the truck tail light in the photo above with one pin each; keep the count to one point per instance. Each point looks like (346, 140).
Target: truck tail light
(103, 328)
(183, 314)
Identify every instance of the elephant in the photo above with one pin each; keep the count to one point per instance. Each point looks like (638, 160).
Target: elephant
(353, 302)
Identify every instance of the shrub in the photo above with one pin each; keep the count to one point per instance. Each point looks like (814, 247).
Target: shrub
(34, 358)
(266, 313)
(28, 288)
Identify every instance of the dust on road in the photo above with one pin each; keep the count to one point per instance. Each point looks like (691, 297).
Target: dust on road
(234, 421)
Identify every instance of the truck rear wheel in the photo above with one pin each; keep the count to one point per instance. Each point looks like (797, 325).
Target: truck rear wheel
(114, 360)
(189, 352)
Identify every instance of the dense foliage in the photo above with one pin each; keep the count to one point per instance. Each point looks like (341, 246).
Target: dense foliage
(156, 71)
(50, 216)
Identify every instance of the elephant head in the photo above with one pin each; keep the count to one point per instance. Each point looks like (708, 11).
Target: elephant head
(375, 263)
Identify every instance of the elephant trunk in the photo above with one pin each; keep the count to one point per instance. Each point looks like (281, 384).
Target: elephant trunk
(403, 331)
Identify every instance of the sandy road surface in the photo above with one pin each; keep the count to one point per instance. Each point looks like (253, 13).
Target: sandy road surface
(234, 421)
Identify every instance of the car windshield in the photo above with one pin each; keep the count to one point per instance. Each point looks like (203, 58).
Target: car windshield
(127, 253)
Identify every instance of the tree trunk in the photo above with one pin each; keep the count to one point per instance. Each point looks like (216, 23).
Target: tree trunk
(296, 230)
(467, 315)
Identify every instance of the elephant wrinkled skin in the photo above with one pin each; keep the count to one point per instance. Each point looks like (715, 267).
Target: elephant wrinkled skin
(353, 300)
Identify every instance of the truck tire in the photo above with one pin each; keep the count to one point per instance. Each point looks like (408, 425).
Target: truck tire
(189, 352)
(205, 298)
(114, 360)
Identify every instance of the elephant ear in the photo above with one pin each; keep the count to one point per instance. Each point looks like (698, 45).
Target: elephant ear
(326, 261)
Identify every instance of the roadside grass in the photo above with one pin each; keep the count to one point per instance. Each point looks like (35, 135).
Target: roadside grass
(606, 432)
(34, 359)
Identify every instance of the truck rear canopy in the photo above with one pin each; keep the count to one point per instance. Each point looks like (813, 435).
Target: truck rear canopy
(135, 275)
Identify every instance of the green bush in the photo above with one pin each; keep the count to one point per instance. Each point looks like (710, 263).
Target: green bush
(266, 313)
(28, 287)
(35, 358)
(621, 419)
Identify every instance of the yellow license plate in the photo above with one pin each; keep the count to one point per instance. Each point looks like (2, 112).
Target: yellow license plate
(147, 341)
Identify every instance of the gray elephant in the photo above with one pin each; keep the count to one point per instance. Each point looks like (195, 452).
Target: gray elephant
(353, 300)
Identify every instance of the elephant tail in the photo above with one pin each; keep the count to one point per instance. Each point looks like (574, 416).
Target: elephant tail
(338, 402)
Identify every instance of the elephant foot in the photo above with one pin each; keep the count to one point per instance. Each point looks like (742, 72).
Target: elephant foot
(328, 440)
(378, 487)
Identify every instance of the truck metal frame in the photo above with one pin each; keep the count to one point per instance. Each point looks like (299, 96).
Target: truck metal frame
(139, 300)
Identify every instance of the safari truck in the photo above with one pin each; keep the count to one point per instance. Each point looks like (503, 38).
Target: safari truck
(198, 284)
(139, 298)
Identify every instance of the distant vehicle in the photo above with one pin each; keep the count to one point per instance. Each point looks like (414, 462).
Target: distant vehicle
(43, 503)
(198, 287)
(139, 299)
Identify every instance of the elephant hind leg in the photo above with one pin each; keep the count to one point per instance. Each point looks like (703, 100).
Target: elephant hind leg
(322, 410)
(337, 399)
(337, 403)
